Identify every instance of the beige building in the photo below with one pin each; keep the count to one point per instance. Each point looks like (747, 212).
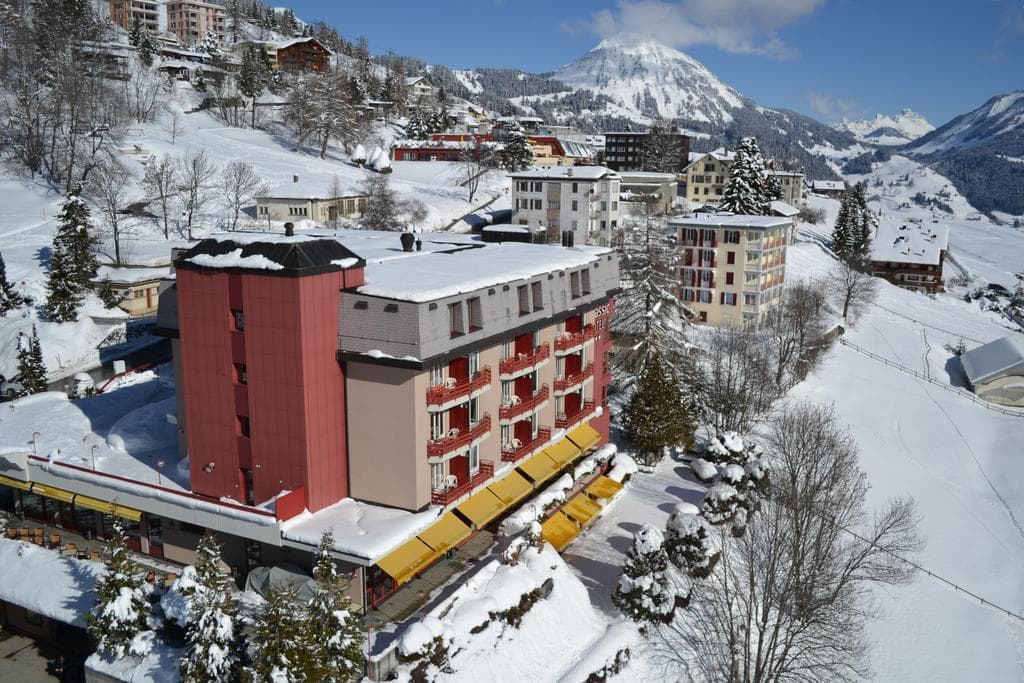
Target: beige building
(995, 371)
(137, 289)
(792, 185)
(706, 177)
(297, 201)
(191, 20)
(638, 185)
(733, 267)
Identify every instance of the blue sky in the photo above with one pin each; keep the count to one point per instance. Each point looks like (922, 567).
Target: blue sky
(826, 58)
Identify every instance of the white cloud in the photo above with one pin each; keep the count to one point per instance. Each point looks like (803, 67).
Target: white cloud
(739, 26)
(827, 106)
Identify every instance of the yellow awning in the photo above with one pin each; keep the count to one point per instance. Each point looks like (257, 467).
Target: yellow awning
(481, 508)
(539, 468)
(406, 560)
(127, 513)
(446, 533)
(582, 509)
(51, 492)
(558, 530)
(94, 504)
(563, 452)
(511, 489)
(604, 488)
(584, 436)
(15, 483)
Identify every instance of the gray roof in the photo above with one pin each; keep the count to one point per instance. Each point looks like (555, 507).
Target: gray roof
(993, 360)
(729, 220)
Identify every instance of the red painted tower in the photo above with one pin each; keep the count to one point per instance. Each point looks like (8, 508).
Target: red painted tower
(264, 392)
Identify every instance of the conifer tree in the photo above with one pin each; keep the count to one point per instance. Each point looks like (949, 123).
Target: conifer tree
(135, 33)
(252, 77)
(842, 232)
(279, 649)
(31, 368)
(211, 633)
(656, 417)
(772, 188)
(9, 298)
(643, 593)
(745, 192)
(688, 544)
(381, 205)
(146, 47)
(119, 621)
(333, 630)
(72, 264)
(863, 229)
(515, 155)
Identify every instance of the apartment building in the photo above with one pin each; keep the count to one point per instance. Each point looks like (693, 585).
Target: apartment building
(125, 13)
(734, 267)
(910, 256)
(191, 20)
(626, 151)
(302, 54)
(706, 177)
(576, 204)
(792, 185)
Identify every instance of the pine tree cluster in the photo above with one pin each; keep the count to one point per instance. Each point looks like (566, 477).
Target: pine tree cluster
(689, 545)
(119, 623)
(211, 634)
(31, 369)
(854, 229)
(656, 416)
(515, 155)
(73, 264)
(9, 297)
(746, 192)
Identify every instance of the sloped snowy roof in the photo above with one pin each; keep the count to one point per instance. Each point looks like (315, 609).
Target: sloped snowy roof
(567, 173)
(719, 154)
(284, 44)
(780, 208)
(828, 186)
(317, 187)
(993, 360)
(911, 243)
(729, 220)
(44, 582)
(130, 275)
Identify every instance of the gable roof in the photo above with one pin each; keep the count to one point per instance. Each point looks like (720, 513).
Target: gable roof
(913, 243)
(994, 360)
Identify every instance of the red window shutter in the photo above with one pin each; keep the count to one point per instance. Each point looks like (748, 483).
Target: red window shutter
(728, 278)
(731, 258)
(721, 298)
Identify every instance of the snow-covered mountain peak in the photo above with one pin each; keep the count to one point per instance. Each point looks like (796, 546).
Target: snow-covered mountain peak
(652, 79)
(906, 126)
(1001, 117)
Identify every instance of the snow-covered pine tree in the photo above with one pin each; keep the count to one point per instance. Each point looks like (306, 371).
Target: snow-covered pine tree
(772, 188)
(663, 148)
(135, 33)
(72, 262)
(744, 192)
(211, 633)
(333, 629)
(515, 155)
(417, 128)
(688, 544)
(9, 298)
(863, 230)
(119, 621)
(278, 647)
(359, 155)
(381, 206)
(31, 368)
(146, 47)
(643, 593)
(656, 416)
(721, 503)
(843, 230)
(252, 77)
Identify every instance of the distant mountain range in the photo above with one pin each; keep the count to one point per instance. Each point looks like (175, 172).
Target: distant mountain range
(905, 127)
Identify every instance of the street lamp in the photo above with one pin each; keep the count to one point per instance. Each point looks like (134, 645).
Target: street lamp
(159, 470)
(34, 436)
(93, 454)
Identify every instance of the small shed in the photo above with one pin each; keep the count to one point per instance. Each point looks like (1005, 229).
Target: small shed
(995, 370)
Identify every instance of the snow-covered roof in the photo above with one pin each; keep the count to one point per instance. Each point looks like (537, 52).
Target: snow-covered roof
(911, 243)
(130, 275)
(444, 144)
(828, 185)
(993, 360)
(729, 220)
(317, 187)
(781, 208)
(511, 227)
(790, 174)
(284, 44)
(567, 173)
(413, 80)
(719, 154)
(46, 583)
(576, 149)
(647, 176)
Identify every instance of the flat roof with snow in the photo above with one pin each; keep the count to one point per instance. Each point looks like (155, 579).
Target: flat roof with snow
(912, 243)
(649, 176)
(783, 209)
(994, 360)
(567, 173)
(730, 220)
(828, 186)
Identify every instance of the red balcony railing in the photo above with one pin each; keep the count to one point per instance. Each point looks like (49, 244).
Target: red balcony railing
(444, 393)
(568, 341)
(524, 406)
(563, 420)
(450, 495)
(457, 439)
(523, 361)
(513, 453)
(569, 381)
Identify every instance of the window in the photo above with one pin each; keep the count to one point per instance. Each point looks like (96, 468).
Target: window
(436, 425)
(555, 204)
(729, 278)
(574, 284)
(241, 376)
(729, 298)
(750, 299)
(456, 326)
(476, 314)
(585, 277)
(538, 295)
(730, 258)
(437, 476)
(243, 424)
(575, 204)
(474, 459)
(391, 308)
(524, 299)
(575, 189)
(537, 205)
(731, 236)
(238, 318)
(474, 410)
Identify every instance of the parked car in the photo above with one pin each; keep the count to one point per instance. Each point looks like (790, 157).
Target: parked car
(10, 388)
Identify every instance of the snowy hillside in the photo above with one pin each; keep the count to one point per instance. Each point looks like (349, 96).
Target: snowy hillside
(905, 127)
(653, 80)
(999, 116)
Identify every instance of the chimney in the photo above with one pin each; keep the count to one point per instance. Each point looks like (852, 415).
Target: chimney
(568, 172)
(419, 245)
(295, 177)
(407, 241)
(289, 229)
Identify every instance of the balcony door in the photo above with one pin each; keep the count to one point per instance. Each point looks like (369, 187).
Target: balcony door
(459, 368)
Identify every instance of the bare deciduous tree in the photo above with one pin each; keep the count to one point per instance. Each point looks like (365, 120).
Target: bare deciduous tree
(790, 599)
(738, 382)
(141, 92)
(793, 331)
(196, 183)
(108, 187)
(173, 123)
(477, 159)
(240, 185)
(850, 290)
(161, 182)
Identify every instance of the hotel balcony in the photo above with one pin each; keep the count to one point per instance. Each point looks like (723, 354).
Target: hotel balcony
(566, 384)
(567, 420)
(522, 363)
(449, 495)
(518, 406)
(457, 439)
(453, 391)
(571, 342)
(516, 450)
